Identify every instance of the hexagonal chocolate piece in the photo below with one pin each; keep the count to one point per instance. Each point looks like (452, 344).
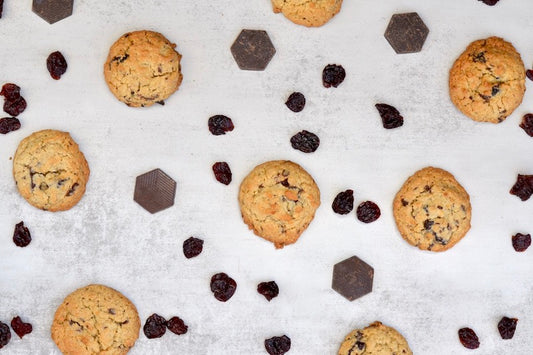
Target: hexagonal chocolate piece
(52, 10)
(406, 33)
(154, 191)
(352, 278)
(252, 50)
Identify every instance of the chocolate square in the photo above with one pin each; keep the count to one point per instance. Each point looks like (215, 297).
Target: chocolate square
(154, 191)
(252, 50)
(352, 278)
(406, 33)
(52, 10)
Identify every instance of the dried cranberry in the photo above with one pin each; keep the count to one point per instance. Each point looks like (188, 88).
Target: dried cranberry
(192, 247)
(468, 338)
(390, 116)
(5, 334)
(15, 107)
(333, 75)
(177, 326)
(527, 123)
(278, 345)
(507, 327)
(521, 241)
(155, 326)
(368, 212)
(56, 65)
(21, 235)
(490, 2)
(343, 202)
(9, 124)
(268, 289)
(10, 91)
(1, 7)
(305, 141)
(523, 187)
(220, 124)
(529, 74)
(296, 102)
(222, 172)
(223, 286)
(20, 327)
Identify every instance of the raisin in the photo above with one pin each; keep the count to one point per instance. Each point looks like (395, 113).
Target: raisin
(529, 74)
(268, 289)
(296, 102)
(177, 326)
(305, 141)
(20, 327)
(222, 172)
(343, 202)
(527, 124)
(223, 286)
(368, 212)
(192, 247)
(507, 327)
(220, 124)
(155, 326)
(21, 235)
(490, 2)
(521, 241)
(10, 91)
(9, 124)
(333, 75)
(390, 116)
(15, 107)
(523, 187)
(5, 334)
(278, 345)
(468, 338)
(56, 65)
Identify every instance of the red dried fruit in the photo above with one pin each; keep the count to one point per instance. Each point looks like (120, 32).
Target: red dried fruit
(192, 247)
(15, 107)
(278, 345)
(527, 123)
(296, 102)
(56, 65)
(368, 212)
(523, 187)
(1, 7)
(529, 74)
(222, 172)
(223, 286)
(521, 241)
(155, 326)
(10, 91)
(333, 75)
(343, 202)
(305, 141)
(490, 2)
(507, 327)
(5, 334)
(20, 327)
(390, 116)
(268, 289)
(468, 338)
(21, 235)
(220, 124)
(9, 124)
(177, 326)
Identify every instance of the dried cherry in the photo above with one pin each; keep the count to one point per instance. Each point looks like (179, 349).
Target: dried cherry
(177, 326)
(21, 235)
(527, 124)
(507, 327)
(468, 338)
(15, 107)
(296, 102)
(490, 2)
(333, 75)
(5, 334)
(390, 116)
(223, 286)
(155, 326)
(56, 65)
(222, 172)
(20, 327)
(521, 241)
(1, 7)
(9, 124)
(523, 187)
(220, 124)
(278, 345)
(192, 247)
(305, 141)
(10, 91)
(268, 289)
(529, 74)
(368, 212)
(343, 202)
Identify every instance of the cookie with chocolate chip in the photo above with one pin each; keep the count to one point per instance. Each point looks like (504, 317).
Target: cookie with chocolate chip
(310, 13)
(376, 339)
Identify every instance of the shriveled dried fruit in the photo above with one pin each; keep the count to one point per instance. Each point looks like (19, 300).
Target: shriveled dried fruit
(177, 326)
(222, 172)
(527, 124)
(529, 74)
(468, 338)
(368, 212)
(523, 187)
(155, 326)
(56, 65)
(305, 141)
(390, 116)
(220, 124)
(521, 241)
(21, 235)
(192, 247)
(278, 345)
(343, 202)
(490, 2)
(20, 327)
(223, 286)
(296, 102)
(10, 91)
(15, 107)
(5, 334)
(333, 75)
(507, 327)
(1, 7)
(9, 124)
(268, 289)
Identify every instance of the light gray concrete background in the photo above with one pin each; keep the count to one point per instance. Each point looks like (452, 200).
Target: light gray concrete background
(107, 238)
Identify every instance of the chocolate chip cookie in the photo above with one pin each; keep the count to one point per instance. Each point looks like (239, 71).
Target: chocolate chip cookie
(310, 13)
(376, 339)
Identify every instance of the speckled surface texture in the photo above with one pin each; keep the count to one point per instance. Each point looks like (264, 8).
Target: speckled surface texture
(109, 239)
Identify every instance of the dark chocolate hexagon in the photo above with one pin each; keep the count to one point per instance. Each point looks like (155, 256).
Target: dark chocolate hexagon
(352, 278)
(154, 191)
(252, 50)
(52, 10)
(406, 33)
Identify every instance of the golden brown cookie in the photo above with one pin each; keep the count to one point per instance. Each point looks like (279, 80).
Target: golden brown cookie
(432, 210)
(95, 319)
(376, 339)
(310, 13)
(142, 68)
(50, 171)
(278, 200)
(487, 81)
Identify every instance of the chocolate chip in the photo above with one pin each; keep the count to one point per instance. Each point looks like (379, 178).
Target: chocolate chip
(52, 10)
(406, 33)
(352, 278)
(252, 50)
(154, 191)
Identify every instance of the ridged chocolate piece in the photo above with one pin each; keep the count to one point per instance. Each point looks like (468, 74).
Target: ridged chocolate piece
(52, 10)
(406, 33)
(352, 278)
(253, 50)
(154, 191)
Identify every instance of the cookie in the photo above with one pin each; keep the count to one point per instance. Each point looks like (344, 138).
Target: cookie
(487, 81)
(376, 339)
(432, 210)
(278, 200)
(95, 319)
(310, 13)
(143, 68)
(50, 171)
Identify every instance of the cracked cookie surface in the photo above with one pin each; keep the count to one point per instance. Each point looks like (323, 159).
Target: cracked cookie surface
(310, 13)
(50, 171)
(432, 210)
(376, 339)
(143, 68)
(95, 319)
(487, 81)
(278, 200)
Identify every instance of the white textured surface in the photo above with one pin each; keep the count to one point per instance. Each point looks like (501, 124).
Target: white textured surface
(107, 238)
